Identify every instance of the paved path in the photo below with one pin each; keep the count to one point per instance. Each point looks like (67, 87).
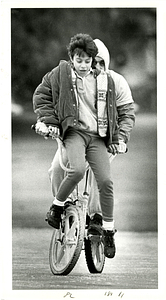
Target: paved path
(134, 267)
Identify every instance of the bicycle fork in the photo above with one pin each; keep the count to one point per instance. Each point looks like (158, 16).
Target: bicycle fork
(85, 196)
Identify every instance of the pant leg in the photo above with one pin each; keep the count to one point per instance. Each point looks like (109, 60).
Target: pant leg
(56, 174)
(94, 201)
(98, 159)
(75, 149)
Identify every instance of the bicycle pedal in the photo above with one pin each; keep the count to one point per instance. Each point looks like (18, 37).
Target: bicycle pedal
(94, 238)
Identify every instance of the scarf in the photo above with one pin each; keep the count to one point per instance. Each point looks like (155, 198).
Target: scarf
(102, 118)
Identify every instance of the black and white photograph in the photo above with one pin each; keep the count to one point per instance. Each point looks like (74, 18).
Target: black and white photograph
(82, 201)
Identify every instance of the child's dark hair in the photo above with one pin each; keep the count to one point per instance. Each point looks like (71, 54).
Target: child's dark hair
(80, 43)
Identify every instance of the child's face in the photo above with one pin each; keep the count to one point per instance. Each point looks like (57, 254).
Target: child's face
(82, 64)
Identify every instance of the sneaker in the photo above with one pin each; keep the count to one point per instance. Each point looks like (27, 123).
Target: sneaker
(53, 216)
(109, 243)
(95, 225)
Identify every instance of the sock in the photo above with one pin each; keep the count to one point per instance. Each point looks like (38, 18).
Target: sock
(108, 225)
(57, 202)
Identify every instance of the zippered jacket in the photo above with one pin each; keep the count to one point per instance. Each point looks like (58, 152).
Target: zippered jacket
(55, 104)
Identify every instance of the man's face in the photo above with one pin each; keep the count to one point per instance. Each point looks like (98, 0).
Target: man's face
(100, 65)
(82, 64)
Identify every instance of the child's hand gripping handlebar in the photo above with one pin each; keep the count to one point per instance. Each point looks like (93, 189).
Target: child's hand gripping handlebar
(46, 131)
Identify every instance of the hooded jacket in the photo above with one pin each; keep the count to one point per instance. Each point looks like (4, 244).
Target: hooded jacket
(103, 53)
(123, 96)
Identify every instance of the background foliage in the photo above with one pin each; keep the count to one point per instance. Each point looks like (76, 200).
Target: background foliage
(39, 37)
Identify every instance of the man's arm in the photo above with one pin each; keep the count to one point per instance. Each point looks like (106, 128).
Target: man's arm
(125, 106)
(125, 110)
(126, 120)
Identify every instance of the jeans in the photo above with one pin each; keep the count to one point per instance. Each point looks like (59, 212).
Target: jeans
(79, 148)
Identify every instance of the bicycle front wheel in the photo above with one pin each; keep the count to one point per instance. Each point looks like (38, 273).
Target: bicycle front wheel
(94, 254)
(66, 243)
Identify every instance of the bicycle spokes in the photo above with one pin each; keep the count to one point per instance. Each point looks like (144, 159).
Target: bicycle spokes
(66, 243)
(94, 253)
(71, 229)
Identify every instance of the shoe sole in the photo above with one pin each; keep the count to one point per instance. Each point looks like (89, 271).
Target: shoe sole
(108, 255)
(52, 223)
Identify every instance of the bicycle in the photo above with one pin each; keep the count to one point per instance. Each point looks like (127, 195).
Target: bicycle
(68, 241)
(71, 238)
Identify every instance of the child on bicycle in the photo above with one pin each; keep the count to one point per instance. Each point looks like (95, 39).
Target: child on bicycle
(123, 100)
(78, 103)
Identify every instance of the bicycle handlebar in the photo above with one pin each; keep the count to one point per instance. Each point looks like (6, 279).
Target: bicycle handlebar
(60, 147)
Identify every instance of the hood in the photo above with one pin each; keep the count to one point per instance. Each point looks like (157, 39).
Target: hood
(103, 52)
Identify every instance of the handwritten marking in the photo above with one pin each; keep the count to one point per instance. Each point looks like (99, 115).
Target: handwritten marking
(109, 293)
(68, 294)
(121, 294)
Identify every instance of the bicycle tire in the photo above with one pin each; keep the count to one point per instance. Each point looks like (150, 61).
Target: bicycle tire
(94, 254)
(66, 243)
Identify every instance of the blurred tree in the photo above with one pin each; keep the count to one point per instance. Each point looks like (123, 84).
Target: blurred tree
(39, 37)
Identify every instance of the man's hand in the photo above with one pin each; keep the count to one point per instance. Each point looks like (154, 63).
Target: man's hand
(115, 149)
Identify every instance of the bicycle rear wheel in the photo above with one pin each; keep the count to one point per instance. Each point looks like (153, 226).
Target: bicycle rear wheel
(94, 254)
(66, 243)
